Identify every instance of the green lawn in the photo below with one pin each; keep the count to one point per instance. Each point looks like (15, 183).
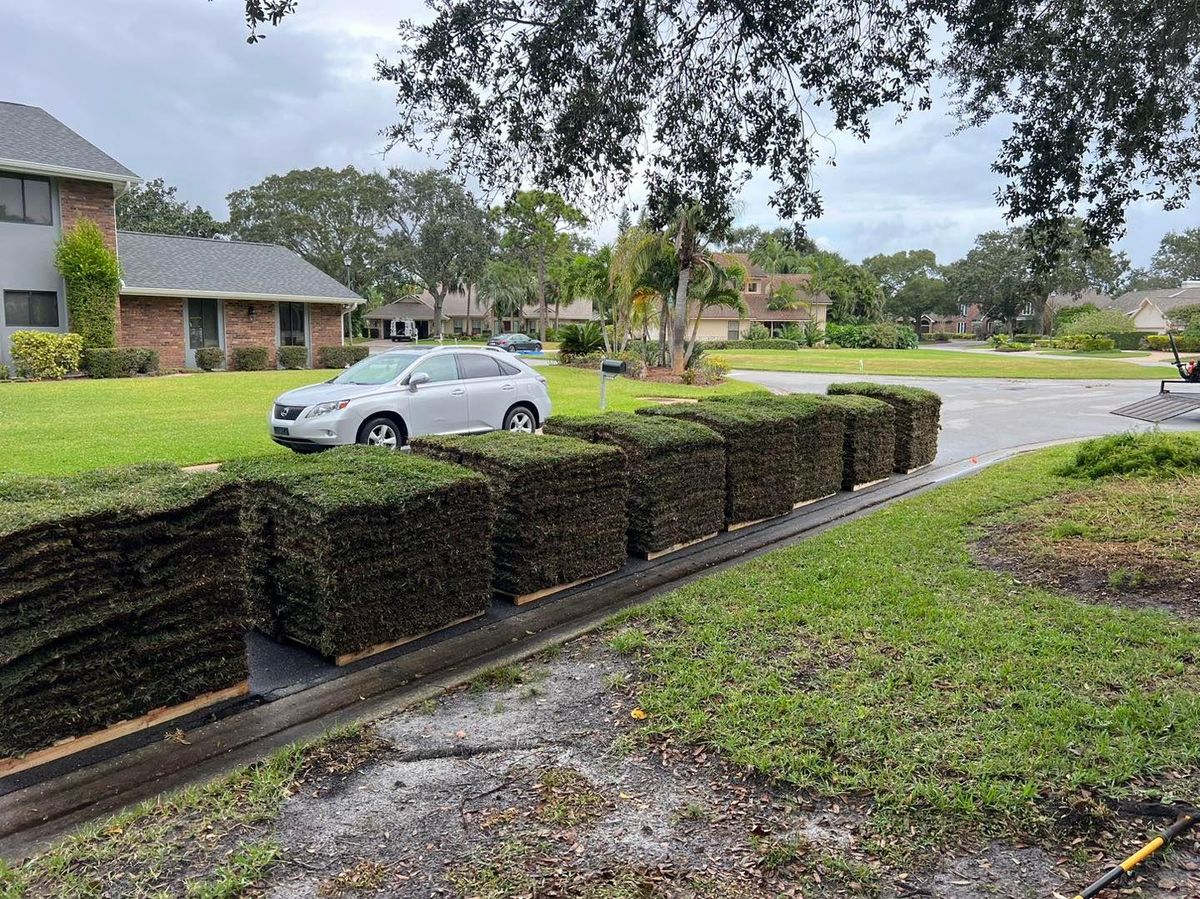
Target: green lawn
(937, 363)
(58, 427)
(876, 660)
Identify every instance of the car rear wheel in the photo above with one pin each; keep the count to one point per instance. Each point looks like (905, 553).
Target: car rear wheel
(512, 347)
(520, 420)
(381, 432)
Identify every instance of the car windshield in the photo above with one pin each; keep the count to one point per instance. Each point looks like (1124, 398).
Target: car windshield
(377, 369)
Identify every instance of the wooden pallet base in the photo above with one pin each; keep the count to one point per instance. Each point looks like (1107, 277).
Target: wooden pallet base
(72, 745)
(918, 468)
(658, 554)
(348, 658)
(858, 487)
(549, 591)
(809, 502)
(745, 524)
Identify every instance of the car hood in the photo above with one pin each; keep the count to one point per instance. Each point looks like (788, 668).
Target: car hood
(324, 393)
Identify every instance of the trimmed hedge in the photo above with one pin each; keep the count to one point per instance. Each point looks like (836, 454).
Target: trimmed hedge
(765, 343)
(341, 356)
(45, 354)
(759, 448)
(668, 459)
(560, 505)
(92, 276)
(870, 444)
(1186, 343)
(120, 592)
(820, 437)
(119, 362)
(293, 357)
(918, 414)
(250, 358)
(359, 546)
(209, 357)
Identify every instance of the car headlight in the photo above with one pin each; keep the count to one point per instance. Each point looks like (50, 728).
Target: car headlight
(325, 408)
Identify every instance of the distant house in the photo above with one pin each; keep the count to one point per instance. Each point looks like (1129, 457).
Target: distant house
(724, 323)
(1152, 310)
(969, 319)
(178, 294)
(463, 319)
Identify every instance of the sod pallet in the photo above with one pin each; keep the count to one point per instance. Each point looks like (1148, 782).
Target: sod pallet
(120, 594)
(359, 549)
(918, 414)
(676, 476)
(819, 445)
(759, 447)
(560, 506)
(870, 442)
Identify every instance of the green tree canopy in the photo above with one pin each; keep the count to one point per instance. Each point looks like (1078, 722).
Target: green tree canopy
(323, 214)
(1176, 260)
(913, 284)
(153, 208)
(748, 238)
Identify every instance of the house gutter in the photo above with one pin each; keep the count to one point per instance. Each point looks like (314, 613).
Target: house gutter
(120, 183)
(128, 290)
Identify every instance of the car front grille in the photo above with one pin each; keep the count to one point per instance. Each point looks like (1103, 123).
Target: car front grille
(288, 413)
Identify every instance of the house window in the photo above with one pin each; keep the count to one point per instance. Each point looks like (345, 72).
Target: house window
(962, 327)
(1027, 310)
(31, 309)
(291, 325)
(25, 200)
(204, 323)
(732, 333)
(752, 287)
(962, 308)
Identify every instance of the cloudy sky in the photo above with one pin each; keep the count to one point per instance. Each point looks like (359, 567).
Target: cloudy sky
(171, 89)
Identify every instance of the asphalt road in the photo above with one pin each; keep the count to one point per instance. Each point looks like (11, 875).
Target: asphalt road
(980, 415)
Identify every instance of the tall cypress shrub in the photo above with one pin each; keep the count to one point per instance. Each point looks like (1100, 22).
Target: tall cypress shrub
(93, 278)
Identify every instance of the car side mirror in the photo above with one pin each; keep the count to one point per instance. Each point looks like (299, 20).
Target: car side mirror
(421, 377)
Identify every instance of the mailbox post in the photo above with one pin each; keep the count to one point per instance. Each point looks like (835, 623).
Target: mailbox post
(609, 368)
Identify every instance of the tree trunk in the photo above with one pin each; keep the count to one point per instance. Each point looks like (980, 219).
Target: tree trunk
(542, 295)
(439, 298)
(663, 318)
(679, 323)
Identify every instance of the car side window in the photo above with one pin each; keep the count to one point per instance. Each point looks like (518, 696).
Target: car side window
(509, 369)
(476, 365)
(439, 368)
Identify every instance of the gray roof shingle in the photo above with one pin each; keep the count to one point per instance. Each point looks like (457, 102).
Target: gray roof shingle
(31, 135)
(197, 265)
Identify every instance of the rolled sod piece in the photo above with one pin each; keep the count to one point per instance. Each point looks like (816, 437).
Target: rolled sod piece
(676, 475)
(759, 449)
(560, 505)
(820, 437)
(918, 414)
(359, 546)
(120, 593)
(870, 444)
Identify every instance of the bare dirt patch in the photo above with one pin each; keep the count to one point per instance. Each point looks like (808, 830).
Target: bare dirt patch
(1127, 542)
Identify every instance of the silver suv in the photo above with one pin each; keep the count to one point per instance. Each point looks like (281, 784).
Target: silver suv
(386, 399)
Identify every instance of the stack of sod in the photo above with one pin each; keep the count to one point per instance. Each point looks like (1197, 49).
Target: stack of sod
(668, 459)
(358, 547)
(560, 505)
(120, 593)
(917, 419)
(820, 435)
(870, 445)
(759, 447)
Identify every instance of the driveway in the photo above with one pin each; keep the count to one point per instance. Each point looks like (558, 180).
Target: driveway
(980, 415)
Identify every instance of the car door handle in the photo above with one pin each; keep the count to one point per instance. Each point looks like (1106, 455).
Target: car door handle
(507, 387)
(458, 391)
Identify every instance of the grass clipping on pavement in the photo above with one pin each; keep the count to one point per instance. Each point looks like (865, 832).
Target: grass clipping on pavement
(360, 546)
(876, 660)
(668, 459)
(119, 594)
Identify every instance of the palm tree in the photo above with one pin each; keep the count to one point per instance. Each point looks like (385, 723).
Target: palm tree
(715, 285)
(643, 275)
(504, 288)
(689, 250)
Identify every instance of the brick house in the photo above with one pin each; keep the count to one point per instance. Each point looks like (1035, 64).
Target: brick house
(177, 293)
(724, 323)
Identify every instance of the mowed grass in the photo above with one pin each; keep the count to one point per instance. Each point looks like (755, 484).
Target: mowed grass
(60, 427)
(938, 363)
(876, 660)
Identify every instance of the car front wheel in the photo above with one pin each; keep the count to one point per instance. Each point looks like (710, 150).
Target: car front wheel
(381, 432)
(512, 347)
(520, 420)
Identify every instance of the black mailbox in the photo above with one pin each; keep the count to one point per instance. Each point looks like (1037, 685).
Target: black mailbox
(612, 367)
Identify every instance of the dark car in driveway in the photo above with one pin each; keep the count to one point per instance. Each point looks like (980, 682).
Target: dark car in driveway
(516, 343)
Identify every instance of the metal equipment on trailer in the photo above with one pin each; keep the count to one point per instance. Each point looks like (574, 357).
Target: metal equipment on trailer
(1167, 403)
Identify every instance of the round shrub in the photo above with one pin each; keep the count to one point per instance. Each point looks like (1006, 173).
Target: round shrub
(45, 354)
(251, 358)
(1102, 321)
(293, 357)
(119, 362)
(209, 358)
(340, 356)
